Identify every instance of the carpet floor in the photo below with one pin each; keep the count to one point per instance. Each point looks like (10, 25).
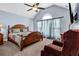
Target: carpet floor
(10, 49)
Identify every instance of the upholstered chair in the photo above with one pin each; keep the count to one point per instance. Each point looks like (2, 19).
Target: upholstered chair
(69, 47)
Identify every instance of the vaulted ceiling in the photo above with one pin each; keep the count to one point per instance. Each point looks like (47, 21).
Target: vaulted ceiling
(21, 9)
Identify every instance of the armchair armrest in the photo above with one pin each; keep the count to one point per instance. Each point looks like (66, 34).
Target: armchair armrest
(57, 43)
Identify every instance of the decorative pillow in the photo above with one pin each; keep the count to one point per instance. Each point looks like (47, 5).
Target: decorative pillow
(16, 30)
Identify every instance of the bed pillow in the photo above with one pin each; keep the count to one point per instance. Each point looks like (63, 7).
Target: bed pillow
(16, 30)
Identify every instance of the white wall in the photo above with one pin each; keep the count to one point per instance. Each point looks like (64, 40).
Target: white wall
(55, 11)
(12, 19)
(77, 10)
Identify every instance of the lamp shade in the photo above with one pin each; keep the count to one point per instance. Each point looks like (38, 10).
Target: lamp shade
(1, 25)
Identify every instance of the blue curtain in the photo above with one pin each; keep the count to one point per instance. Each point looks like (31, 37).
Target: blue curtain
(49, 28)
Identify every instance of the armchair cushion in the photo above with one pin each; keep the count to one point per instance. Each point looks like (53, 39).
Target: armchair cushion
(53, 49)
(57, 43)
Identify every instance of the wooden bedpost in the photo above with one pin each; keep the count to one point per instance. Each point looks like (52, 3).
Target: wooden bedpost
(21, 43)
(8, 32)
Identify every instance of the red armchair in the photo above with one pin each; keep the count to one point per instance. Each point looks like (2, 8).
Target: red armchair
(69, 47)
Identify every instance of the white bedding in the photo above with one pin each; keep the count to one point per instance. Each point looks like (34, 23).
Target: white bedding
(25, 33)
(17, 36)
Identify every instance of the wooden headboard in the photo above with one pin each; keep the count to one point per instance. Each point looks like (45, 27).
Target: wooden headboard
(19, 26)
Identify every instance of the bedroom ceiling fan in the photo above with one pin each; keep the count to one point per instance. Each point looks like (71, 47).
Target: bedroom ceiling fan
(34, 7)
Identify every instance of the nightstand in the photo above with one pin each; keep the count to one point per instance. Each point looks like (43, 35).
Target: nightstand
(1, 38)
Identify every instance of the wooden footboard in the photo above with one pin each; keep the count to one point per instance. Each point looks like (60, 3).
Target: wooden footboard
(30, 39)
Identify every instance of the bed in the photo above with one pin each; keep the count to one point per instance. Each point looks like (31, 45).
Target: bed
(22, 37)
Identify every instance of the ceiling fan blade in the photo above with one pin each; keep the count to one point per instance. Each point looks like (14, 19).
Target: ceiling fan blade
(41, 8)
(33, 5)
(37, 4)
(27, 4)
(29, 9)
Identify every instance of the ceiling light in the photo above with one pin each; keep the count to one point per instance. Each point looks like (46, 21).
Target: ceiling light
(34, 8)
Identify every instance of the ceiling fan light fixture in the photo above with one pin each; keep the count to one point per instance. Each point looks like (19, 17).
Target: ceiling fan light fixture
(34, 8)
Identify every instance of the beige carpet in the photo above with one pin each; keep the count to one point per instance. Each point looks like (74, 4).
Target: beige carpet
(10, 49)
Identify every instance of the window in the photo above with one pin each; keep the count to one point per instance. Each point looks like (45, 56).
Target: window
(49, 27)
(47, 16)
